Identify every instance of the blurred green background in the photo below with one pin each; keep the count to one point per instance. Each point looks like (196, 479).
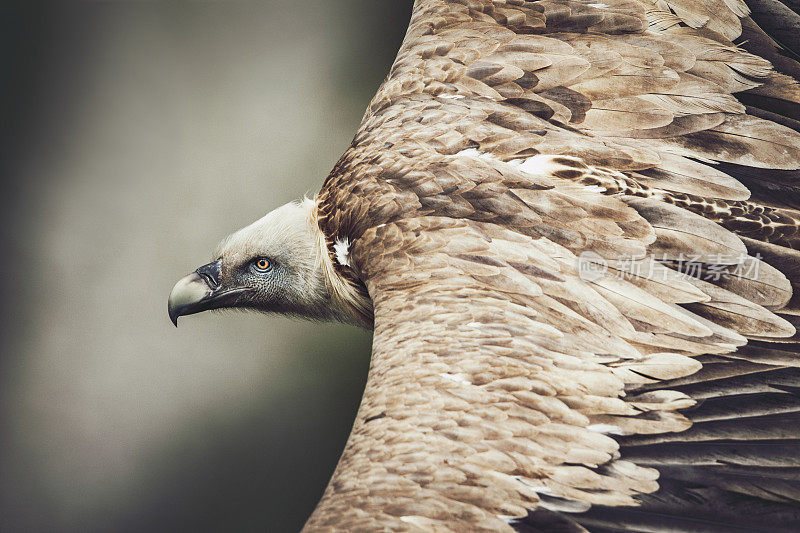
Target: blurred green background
(134, 137)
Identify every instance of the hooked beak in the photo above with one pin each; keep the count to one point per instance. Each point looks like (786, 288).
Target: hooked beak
(199, 291)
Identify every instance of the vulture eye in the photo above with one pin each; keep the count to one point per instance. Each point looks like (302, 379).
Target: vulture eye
(261, 265)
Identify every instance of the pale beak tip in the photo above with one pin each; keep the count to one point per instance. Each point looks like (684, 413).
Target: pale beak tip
(186, 295)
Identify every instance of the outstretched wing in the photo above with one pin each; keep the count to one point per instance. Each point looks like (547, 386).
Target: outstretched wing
(578, 225)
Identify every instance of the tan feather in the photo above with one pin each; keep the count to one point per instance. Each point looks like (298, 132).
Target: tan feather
(682, 175)
(748, 141)
(629, 113)
(684, 236)
(736, 313)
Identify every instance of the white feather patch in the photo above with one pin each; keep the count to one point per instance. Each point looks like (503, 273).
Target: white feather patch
(539, 165)
(474, 152)
(342, 249)
(606, 429)
(452, 96)
(457, 379)
(595, 188)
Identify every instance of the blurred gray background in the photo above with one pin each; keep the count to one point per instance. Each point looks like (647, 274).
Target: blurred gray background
(134, 137)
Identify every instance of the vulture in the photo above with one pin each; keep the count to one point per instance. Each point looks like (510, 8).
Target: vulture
(574, 228)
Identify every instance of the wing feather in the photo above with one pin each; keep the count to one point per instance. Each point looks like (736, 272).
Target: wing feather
(578, 224)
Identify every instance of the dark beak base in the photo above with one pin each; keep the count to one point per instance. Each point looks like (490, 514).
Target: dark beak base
(200, 291)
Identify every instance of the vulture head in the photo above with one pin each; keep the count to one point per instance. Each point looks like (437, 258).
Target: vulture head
(279, 263)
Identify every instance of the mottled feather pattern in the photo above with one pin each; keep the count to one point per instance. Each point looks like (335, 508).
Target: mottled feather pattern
(512, 145)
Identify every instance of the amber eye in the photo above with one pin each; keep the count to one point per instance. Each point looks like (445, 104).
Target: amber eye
(261, 264)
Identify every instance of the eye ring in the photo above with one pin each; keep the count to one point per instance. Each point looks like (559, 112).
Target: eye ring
(261, 265)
